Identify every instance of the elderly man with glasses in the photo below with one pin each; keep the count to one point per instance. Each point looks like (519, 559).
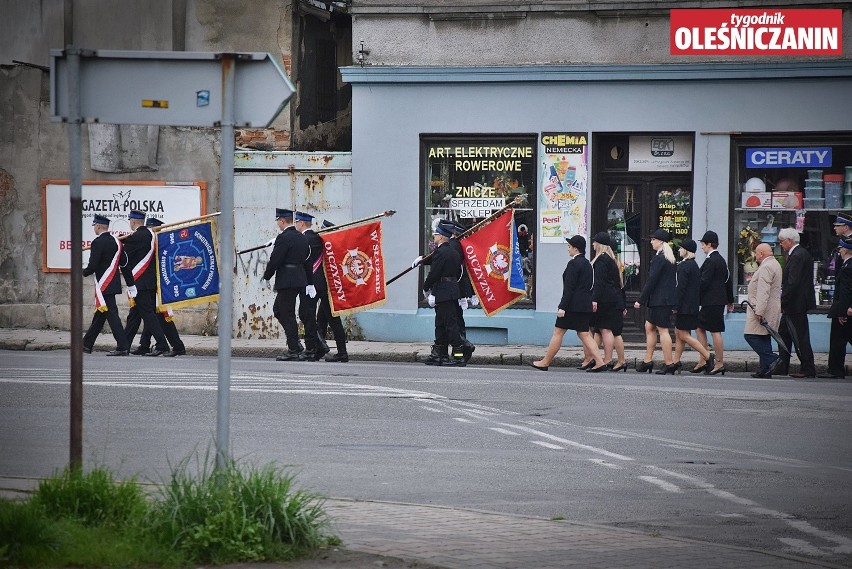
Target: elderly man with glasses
(797, 298)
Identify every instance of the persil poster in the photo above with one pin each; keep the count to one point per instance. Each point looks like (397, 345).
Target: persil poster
(564, 186)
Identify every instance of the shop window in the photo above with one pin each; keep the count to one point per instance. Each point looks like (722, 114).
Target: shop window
(790, 181)
(466, 178)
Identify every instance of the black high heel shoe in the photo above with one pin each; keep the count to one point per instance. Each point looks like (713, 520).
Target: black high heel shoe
(718, 370)
(645, 366)
(701, 369)
(539, 368)
(600, 368)
(622, 367)
(670, 368)
(584, 367)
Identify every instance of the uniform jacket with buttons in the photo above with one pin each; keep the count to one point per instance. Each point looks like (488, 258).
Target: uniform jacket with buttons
(688, 279)
(577, 285)
(660, 289)
(842, 291)
(716, 286)
(444, 274)
(101, 254)
(136, 247)
(289, 262)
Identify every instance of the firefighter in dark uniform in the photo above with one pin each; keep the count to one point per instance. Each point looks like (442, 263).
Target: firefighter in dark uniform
(106, 259)
(166, 322)
(315, 347)
(442, 287)
(840, 313)
(465, 287)
(324, 317)
(289, 265)
(141, 259)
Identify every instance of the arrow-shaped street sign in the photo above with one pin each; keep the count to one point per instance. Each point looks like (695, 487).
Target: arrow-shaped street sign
(169, 88)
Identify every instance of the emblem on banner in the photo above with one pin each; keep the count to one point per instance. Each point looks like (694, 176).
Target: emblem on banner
(497, 262)
(357, 266)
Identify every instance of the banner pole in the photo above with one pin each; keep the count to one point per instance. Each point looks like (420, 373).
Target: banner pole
(169, 225)
(387, 213)
(515, 202)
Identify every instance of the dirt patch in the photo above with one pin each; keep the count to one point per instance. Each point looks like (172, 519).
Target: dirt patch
(337, 557)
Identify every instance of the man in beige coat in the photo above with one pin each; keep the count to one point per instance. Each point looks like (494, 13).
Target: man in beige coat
(764, 293)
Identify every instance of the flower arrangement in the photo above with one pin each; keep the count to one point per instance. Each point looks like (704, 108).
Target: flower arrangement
(749, 239)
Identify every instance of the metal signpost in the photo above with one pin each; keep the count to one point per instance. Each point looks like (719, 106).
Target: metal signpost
(172, 89)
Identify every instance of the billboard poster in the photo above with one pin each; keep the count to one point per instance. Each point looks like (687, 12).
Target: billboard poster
(169, 203)
(563, 199)
(660, 154)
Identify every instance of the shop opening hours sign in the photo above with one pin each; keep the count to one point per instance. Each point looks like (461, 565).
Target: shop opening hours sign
(673, 206)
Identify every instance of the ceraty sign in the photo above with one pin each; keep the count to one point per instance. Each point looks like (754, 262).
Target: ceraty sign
(788, 157)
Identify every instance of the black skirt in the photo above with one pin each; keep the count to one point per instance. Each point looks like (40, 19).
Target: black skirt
(712, 318)
(578, 321)
(686, 322)
(660, 316)
(608, 317)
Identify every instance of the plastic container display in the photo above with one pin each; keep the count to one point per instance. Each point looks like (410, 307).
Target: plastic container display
(813, 193)
(833, 178)
(847, 201)
(811, 184)
(833, 195)
(815, 174)
(814, 203)
(849, 173)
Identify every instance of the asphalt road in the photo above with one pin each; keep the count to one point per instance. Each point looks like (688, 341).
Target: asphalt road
(754, 463)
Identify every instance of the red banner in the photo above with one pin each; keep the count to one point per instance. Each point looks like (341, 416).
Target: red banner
(489, 259)
(756, 31)
(354, 268)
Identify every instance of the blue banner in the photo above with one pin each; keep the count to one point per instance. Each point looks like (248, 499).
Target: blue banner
(187, 270)
(788, 157)
(516, 276)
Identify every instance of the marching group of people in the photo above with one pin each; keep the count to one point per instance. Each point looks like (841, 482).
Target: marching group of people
(686, 297)
(134, 258)
(679, 295)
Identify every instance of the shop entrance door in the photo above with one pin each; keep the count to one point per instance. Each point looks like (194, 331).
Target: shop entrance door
(630, 209)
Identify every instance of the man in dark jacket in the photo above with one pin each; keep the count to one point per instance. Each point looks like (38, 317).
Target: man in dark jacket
(840, 313)
(315, 347)
(288, 263)
(466, 292)
(442, 287)
(717, 290)
(797, 297)
(106, 259)
(141, 258)
(164, 315)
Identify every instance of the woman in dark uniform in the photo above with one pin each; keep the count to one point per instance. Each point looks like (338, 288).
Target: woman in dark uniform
(660, 296)
(717, 290)
(575, 308)
(686, 318)
(607, 302)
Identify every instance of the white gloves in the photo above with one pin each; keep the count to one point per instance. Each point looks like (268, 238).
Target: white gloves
(266, 284)
(271, 242)
(463, 302)
(474, 301)
(311, 291)
(132, 292)
(431, 300)
(416, 261)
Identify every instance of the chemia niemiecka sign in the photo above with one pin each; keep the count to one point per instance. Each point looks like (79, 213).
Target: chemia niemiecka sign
(788, 157)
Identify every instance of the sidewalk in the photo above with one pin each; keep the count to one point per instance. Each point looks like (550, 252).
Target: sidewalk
(28, 339)
(459, 538)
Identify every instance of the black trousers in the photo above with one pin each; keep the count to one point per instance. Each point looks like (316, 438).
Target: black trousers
(795, 331)
(145, 310)
(111, 316)
(308, 316)
(447, 324)
(841, 334)
(284, 311)
(169, 329)
(326, 320)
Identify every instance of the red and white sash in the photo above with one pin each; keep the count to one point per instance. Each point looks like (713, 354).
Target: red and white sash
(143, 263)
(106, 278)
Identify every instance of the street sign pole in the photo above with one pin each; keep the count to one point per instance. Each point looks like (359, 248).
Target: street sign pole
(75, 158)
(226, 260)
(172, 89)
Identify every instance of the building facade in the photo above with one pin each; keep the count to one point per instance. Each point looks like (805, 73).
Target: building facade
(583, 109)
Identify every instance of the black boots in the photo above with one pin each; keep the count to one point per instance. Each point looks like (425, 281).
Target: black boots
(438, 356)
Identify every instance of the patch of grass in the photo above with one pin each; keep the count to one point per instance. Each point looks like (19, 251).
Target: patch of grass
(237, 514)
(89, 520)
(93, 498)
(557, 518)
